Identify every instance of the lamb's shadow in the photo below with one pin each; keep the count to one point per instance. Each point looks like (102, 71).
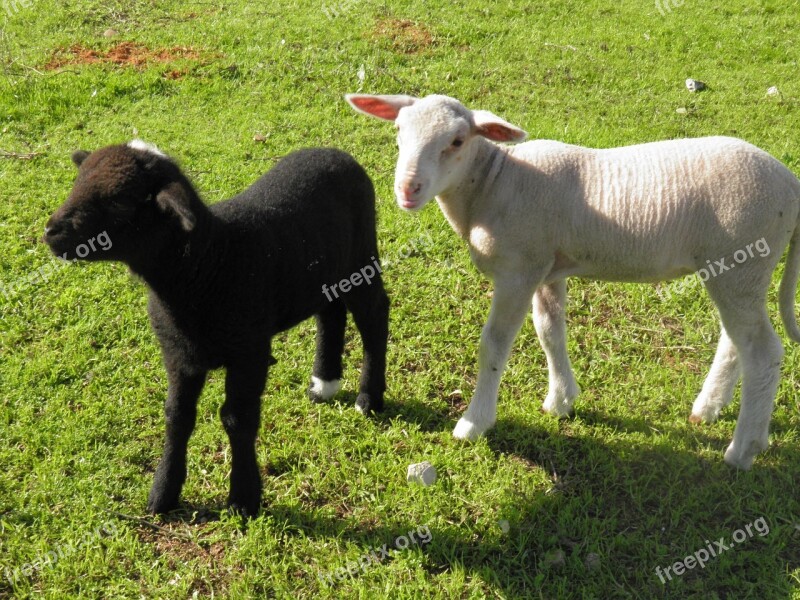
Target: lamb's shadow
(426, 417)
(677, 493)
(681, 500)
(688, 500)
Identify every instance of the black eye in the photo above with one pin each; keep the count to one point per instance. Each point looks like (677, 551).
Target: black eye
(457, 143)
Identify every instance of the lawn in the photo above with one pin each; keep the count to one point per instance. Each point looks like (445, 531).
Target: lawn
(591, 507)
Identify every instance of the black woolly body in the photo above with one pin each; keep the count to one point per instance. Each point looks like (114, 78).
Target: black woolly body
(225, 279)
(308, 222)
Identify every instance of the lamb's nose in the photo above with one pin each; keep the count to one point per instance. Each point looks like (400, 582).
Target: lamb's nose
(411, 189)
(52, 229)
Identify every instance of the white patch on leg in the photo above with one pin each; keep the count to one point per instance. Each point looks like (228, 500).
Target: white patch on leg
(145, 147)
(325, 389)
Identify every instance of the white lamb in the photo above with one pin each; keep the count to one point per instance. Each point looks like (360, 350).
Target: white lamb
(537, 213)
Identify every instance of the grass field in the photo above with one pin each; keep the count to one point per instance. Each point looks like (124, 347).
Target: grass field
(583, 508)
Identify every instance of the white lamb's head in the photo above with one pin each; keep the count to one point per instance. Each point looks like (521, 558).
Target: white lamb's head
(434, 138)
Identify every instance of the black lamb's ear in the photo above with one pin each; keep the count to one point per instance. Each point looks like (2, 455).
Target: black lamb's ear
(79, 156)
(173, 199)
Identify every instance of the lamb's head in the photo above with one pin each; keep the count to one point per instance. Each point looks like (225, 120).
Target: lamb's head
(126, 200)
(435, 139)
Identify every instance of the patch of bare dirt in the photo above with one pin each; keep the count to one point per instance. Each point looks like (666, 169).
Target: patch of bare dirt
(403, 35)
(178, 550)
(124, 54)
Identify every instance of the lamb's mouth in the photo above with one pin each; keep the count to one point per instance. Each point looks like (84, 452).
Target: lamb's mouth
(60, 244)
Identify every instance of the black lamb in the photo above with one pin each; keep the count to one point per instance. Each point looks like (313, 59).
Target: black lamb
(225, 278)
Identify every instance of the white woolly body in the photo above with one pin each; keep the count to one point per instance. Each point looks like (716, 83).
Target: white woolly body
(639, 213)
(539, 212)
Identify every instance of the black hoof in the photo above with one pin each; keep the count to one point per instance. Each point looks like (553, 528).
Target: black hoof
(157, 506)
(366, 404)
(248, 511)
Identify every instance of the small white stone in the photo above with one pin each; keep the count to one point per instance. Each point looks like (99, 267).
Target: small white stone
(693, 85)
(773, 91)
(505, 526)
(423, 473)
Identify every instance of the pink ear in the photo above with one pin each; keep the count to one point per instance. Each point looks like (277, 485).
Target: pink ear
(496, 129)
(383, 107)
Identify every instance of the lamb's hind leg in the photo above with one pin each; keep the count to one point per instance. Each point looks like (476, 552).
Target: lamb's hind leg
(370, 307)
(509, 307)
(720, 383)
(327, 372)
(760, 351)
(549, 318)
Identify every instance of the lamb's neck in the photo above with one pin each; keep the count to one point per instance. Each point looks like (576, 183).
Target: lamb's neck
(184, 267)
(460, 203)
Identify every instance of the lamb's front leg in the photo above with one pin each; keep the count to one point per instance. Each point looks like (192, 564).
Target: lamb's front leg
(509, 307)
(549, 318)
(720, 383)
(241, 416)
(180, 411)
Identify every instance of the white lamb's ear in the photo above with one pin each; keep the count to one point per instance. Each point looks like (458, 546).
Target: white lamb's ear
(496, 129)
(382, 107)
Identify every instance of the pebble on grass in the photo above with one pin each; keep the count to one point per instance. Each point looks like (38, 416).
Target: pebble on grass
(422, 473)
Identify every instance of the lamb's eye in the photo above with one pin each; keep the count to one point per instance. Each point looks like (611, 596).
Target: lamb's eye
(457, 143)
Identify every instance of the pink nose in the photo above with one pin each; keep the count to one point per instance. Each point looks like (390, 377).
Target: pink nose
(410, 190)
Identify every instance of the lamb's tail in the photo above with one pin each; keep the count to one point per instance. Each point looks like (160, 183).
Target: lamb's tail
(788, 287)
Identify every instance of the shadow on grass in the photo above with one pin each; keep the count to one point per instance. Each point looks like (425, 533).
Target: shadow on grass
(635, 504)
(655, 501)
(674, 499)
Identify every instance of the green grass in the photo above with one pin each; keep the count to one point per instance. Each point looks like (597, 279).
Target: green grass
(629, 479)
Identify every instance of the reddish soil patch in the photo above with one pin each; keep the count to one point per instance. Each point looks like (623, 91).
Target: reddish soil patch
(404, 36)
(176, 74)
(124, 54)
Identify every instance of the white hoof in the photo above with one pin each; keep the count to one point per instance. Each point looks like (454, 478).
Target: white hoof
(467, 430)
(704, 411)
(325, 389)
(735, 459)
(560, 404)
(742, 458)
